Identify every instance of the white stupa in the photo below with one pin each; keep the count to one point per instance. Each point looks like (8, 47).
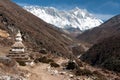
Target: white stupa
(18, 45)
(18, 37)
(17, 51)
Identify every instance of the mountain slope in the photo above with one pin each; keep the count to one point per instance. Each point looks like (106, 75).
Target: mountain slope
(105, 54)
(107, 29)
(79, 19)
(36, 33)
(106, 51)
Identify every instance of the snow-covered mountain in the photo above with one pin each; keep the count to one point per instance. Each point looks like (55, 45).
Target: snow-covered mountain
(70, 19)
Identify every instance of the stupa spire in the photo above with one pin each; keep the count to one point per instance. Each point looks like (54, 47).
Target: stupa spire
(18, 37)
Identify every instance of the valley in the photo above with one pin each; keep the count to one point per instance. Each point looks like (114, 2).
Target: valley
(34, 49)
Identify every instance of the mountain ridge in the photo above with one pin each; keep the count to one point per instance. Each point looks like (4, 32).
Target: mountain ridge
(76, 18)
(107, 29)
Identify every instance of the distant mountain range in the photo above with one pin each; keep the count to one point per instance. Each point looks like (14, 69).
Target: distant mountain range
(70, 20)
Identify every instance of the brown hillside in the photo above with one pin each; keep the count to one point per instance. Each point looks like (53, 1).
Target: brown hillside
(36, 33)
(106, 49)
(107, 29)
(105, 54)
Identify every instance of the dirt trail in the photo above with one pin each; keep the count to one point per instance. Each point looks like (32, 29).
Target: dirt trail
(39, 72)
(43, 71)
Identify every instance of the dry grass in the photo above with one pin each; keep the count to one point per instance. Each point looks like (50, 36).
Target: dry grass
(36, 33)
(4, 50)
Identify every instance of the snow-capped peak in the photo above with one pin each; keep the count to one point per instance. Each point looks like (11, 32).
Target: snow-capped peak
(75, 18)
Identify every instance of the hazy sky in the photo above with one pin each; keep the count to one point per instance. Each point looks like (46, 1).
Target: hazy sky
(103, 9)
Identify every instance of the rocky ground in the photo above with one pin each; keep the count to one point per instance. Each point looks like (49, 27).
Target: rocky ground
(43, 71)
(10, 71)
(4, 50)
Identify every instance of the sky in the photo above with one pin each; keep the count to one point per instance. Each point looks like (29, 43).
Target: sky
(103, 9)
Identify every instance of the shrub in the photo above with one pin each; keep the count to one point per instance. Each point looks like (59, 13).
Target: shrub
(80, 72)
(36, 60)
(112, 64)
(71, 65)
(53, 64)
(50, 60)
(7, 61)
(43, 51)
(99, 76)
(45, 60)
(21, 63)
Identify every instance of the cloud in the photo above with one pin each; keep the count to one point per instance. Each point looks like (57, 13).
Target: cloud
(104, 16)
